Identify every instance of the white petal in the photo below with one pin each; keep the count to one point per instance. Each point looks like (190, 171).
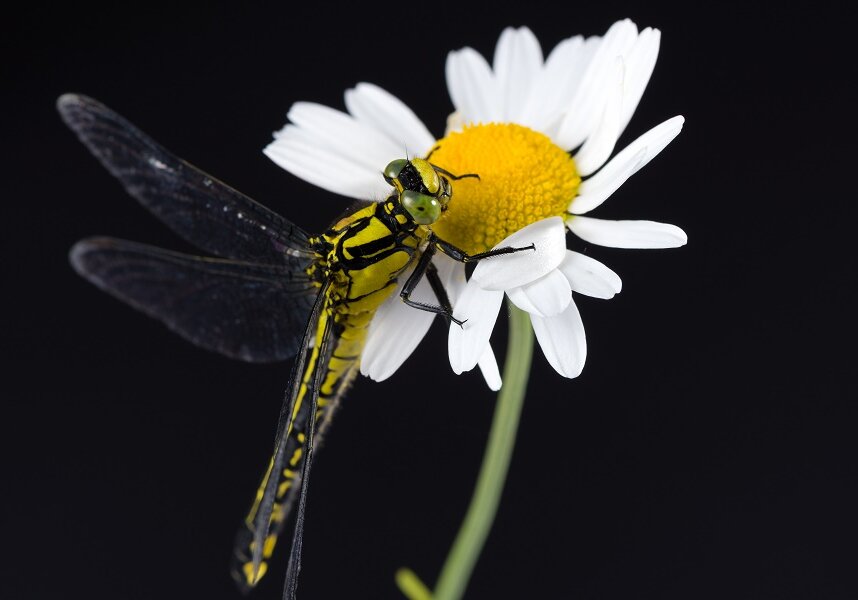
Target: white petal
(590, 277)
(629, 161)
(466, 343)
(325, 167)
(639, 65)
(334, 151)
(381, 110)
(602, 140)
(654, 141)
(518, 61)
(395, 331)
(512, 270)
(582, 113)
(598, 188)
(455, 122)
(398, 333)
(627, 234)
(521, 300)
(473, 88)
(489, 367)
(562, 340)
(334, 129)
(452, 274)
(548, 295)
(555, 86)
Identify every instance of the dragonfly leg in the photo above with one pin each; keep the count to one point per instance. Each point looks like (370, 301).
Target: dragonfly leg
(438, 288)
(426, 268)
(462, 256)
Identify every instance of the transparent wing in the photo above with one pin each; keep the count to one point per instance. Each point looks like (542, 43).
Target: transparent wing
(247, 311)
(205, 212)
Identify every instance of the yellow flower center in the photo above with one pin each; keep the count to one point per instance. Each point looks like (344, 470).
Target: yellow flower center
(524, 178)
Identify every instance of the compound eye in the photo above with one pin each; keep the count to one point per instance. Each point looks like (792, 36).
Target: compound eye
(394, 168)
(424, 209)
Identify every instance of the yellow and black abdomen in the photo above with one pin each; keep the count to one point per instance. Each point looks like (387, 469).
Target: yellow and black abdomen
(360, 258)
(336, 376)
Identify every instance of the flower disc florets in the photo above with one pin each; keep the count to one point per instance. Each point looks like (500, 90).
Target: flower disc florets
(524, 178)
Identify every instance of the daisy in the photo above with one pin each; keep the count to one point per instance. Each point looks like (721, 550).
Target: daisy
(539, 132)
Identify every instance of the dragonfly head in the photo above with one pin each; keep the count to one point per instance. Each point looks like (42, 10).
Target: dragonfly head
(423, 190)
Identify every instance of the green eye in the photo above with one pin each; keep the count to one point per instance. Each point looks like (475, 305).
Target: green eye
(424, 209)
(394, 168)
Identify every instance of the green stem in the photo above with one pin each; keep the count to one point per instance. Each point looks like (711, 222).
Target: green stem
(484, 503)
(410, 585)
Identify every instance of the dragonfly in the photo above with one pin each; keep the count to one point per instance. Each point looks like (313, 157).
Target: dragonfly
(268, 292)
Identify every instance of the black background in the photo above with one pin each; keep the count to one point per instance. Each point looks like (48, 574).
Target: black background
(707, 451)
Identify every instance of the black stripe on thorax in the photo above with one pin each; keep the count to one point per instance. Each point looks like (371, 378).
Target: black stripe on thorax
(373, 247)
(369, 253)
(359, 263)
